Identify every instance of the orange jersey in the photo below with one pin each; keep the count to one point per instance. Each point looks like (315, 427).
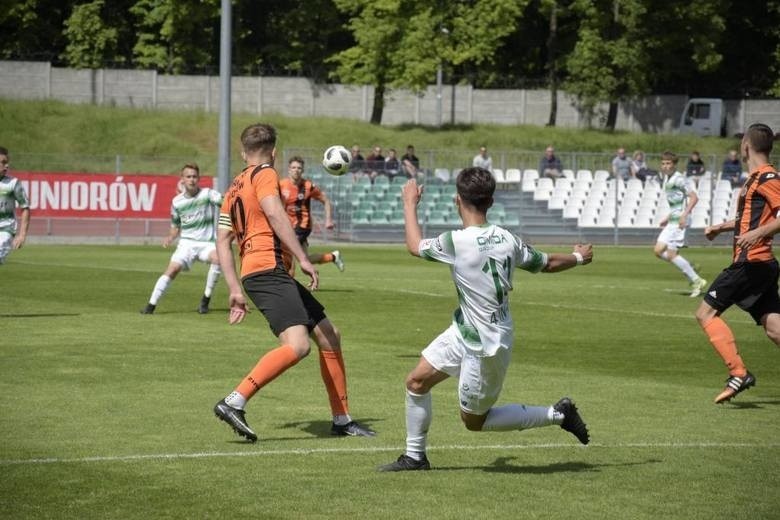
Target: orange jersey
(759, 203)
(297, 201)
(259, 247)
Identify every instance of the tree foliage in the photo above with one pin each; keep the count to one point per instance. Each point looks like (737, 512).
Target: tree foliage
(90, 42)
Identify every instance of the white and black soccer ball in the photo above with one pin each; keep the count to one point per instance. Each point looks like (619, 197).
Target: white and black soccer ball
(336, 160)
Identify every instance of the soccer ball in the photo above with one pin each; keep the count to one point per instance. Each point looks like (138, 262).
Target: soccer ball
(336, 160)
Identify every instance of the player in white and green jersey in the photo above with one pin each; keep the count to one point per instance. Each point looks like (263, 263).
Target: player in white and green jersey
(194, 214)
(681, 195)
(12, 234)
(477, 346)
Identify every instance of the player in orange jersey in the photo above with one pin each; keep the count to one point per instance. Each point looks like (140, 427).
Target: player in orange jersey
(253, 214)
(750, 281)
(297, 193)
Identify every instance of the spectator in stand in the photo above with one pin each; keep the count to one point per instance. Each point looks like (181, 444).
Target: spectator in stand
(732, 169)
(550, 165)
(410, 164)
(375, 162)
(695, 166)
(392, 164)
(639, 167)
(482, 159)
(357, 164)
(621, 165)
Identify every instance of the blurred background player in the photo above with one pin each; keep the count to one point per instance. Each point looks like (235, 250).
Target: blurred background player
(193, 220)
(297, 193)
(750, 281)
(477, 346)
(254, 215)
(681, 196)
(12, 194)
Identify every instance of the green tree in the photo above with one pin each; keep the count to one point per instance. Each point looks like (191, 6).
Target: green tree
(90, 42)
(32, 29)
(402, 43)
(175, 36)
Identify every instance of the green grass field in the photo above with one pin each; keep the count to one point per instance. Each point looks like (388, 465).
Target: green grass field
(108, 414)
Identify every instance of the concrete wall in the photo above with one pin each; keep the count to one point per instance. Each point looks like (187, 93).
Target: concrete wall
(300, 97)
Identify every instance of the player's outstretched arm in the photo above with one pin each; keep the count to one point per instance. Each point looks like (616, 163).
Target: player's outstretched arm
(712, 231)
(556, 262)
(411, 194)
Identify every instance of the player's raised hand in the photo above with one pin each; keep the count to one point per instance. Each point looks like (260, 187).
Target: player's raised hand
(238, 308)
(411, 193)
(586, 250)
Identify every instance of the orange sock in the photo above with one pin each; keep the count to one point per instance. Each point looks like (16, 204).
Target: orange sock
(327, 258)
(722, 339)
(267, 369)
(335, 378)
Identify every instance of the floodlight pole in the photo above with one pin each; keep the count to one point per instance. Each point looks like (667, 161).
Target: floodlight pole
(438, 95)
(225, 38)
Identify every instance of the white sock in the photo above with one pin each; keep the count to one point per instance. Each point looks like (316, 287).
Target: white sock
(236, 400)
(684, 266)
(518, 417)
(341, 420)
(418, 419)
(665, 255)
(159, 289)
(211, 280)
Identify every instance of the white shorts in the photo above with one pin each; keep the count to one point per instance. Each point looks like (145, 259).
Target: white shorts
(672, 236)
(6, 244)
(188, 251)
(480, 378)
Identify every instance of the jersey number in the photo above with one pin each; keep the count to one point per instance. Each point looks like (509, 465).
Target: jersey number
(491, 267)
(238, 219)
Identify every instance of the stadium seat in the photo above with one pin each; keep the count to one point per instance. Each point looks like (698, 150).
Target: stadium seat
(513, 175)
(498, 174)
(601, 175)
(571, 211)
(528, 184)
(442, 173)
(699, 220)
(584, 175)
(544, 188)
(556, 201)
(568, 174)
(530, 173)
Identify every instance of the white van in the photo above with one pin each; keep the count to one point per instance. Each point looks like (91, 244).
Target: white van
(703, 116)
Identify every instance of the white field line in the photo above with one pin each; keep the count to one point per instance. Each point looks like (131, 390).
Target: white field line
(379, 449)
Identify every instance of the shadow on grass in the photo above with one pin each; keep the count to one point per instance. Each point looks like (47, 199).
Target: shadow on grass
(501, 465)
(751, 405)
(321, 429)
(41, 315)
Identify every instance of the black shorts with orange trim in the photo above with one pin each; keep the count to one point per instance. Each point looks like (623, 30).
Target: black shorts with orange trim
(752, 286)
(283, 300)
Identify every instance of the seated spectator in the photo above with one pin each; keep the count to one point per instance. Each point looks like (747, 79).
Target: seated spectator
(482, 159)
(550, 165)
(621, 165)
(392, 164)
(357, 164)
(639, 167)
(410, 164)
(695, 166)
(732, 169)
(375, 162)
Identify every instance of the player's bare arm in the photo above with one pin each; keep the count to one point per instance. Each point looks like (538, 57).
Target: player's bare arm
(172, 234)
(754, 236)
(328, 212)
(21, 234)
(712, 231)
(411, 194)
(582, 255)
(280, 223)
(236, 299)
(693, 199)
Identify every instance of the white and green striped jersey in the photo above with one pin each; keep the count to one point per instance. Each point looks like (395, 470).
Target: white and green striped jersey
(11, 194)
(482, 260)
(196, 216)
(677, 188)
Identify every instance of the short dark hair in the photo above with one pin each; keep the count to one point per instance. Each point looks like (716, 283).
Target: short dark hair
(3, 150)
(258, 137)
(669, 156)
(476, 187)
(760, 137)
(296, 158)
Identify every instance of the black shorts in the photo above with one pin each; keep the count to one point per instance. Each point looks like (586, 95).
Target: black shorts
(752, 286)
(303, 236)
(283, 301)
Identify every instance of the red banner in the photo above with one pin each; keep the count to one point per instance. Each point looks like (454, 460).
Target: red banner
(55, 194)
